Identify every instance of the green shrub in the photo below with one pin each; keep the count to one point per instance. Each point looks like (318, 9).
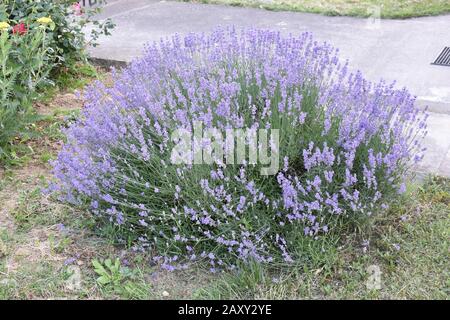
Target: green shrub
(67, 39)
(24, 59)
(37, 39)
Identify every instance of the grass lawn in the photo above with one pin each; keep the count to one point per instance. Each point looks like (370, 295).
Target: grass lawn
(49, 250)
(397, 9)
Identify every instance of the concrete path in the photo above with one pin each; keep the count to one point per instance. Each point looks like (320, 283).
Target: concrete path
(400, 50)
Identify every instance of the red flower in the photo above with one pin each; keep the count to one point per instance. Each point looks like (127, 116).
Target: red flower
(20, 29)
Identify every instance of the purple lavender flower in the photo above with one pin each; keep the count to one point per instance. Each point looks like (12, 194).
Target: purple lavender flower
(346, 144)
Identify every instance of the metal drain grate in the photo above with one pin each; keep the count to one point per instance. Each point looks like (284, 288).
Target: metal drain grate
(444, 58)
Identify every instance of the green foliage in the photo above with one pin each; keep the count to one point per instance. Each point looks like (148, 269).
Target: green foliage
(43, 54)
(67, 39)
(110, 273)
(25, 67)
(119, 279)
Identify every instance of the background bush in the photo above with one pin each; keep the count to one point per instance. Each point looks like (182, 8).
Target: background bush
(345, 148)
(66, 39)
(32, 55)
(26, 61)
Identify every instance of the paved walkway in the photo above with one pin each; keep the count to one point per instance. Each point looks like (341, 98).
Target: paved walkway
(399, 50)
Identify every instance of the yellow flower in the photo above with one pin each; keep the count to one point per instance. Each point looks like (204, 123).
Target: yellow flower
(4, 26)
(45, 20)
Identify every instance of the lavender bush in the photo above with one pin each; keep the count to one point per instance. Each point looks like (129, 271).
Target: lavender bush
(345, 147)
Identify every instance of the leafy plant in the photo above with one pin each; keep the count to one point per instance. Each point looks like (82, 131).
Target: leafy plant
(39, 41)
(24, 60)
(119, 279)
(109, 272)
(67, 39)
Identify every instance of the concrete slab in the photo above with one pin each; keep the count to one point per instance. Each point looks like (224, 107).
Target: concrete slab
(437, 142)
(444, 168)
(400, 50)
